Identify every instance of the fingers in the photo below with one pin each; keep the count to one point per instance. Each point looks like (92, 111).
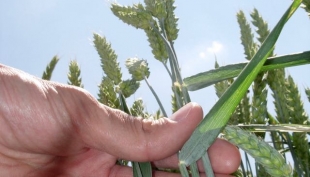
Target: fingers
(125, 171)
(33, 113)
(139, 139)
(224, 157)
(65, 119)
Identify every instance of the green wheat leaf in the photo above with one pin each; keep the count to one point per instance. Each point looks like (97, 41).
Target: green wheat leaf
(136, 169)
(277, 127)
(183, 169)
(213, 123)
(146, 169)
(140, 169)
(307, 91)
(204, 79)
(194, 170)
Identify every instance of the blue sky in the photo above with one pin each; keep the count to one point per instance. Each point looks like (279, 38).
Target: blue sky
(33, 31)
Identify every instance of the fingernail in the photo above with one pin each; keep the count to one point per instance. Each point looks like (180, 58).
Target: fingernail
(183, 112)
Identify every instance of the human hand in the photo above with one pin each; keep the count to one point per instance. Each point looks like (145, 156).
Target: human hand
(51, 129)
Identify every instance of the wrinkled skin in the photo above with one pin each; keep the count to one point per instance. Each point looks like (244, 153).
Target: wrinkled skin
(50, 129)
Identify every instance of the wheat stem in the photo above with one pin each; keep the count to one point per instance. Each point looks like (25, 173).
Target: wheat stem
(156, 97)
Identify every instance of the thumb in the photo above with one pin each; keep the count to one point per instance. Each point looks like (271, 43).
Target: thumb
(140, 139)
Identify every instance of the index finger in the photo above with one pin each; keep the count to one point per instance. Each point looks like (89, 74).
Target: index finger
(225, 158)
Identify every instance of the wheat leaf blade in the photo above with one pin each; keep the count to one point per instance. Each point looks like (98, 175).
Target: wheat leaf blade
(278, 127)
(216, 119)
(136, 169)
(140, 169)
(307, 91)
(194, 170)
(205, 79)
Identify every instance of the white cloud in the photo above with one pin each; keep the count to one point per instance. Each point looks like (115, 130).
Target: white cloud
(200, 58)
(202, 54)
(215, 48)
